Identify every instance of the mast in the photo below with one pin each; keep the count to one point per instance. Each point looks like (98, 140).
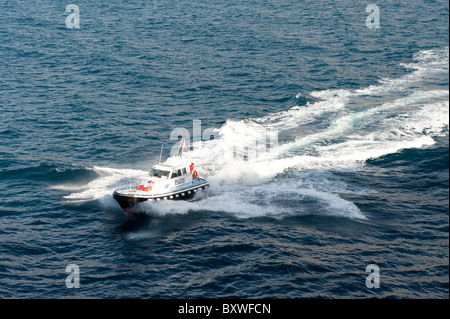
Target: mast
(160, 154)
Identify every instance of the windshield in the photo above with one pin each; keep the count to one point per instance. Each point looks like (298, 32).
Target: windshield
(159, 173)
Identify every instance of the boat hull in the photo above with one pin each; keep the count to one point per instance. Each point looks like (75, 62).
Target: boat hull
(128, 200)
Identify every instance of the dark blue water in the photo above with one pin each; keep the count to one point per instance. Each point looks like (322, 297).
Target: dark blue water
(359, 173)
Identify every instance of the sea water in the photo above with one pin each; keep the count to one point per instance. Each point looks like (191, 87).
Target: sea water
(350, 117)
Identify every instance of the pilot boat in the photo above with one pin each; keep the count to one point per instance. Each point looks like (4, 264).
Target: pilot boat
(174, 179)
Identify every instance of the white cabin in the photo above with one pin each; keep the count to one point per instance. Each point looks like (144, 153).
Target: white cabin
(172, 174)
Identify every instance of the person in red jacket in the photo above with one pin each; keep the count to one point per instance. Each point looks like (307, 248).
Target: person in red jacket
(191, 167)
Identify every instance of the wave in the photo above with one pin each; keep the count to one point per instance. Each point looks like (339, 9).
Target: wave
(344, 129)
(100, 187)
(340, 131)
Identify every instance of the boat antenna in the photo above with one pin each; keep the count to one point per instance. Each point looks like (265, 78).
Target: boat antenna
(160, 155)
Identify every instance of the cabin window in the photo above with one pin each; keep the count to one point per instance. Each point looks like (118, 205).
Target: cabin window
(174, 175)
(179, 172)
(159, 173)
(184, 171)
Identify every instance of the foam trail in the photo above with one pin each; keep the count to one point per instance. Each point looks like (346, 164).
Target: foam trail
(342, 131)
(251, 163)
(108, 179)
